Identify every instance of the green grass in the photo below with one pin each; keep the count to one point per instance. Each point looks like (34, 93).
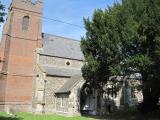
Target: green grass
(119, 115)
(27, 116)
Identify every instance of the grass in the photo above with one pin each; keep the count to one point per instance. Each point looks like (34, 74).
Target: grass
(27, 116)
(129, 114)
(122, 115)
(119, 115)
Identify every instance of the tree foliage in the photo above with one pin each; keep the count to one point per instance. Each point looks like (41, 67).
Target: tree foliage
(125, 39)
(2, 12)
(101, 46)
(141, 46)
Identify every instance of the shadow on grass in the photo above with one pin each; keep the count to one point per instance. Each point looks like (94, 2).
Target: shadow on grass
(94, 117)
(125, 116)
(10, 118)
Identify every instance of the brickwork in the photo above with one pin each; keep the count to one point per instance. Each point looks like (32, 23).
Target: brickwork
(17, 53)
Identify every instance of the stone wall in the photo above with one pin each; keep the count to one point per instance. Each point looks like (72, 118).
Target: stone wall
(125, 95)
(75, 98)
(52, 85)
(44, 98)
(62, 103)
(60, 62)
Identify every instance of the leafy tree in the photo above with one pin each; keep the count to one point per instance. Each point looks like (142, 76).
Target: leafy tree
(141, 47)
(122, 40)
(101, 46)
(2, 13)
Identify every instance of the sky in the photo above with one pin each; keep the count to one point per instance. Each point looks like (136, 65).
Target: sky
(70, 11)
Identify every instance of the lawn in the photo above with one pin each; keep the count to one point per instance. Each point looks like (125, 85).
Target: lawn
(27, 116)
(113, 116)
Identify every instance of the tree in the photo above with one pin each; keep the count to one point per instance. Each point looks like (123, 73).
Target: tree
(141, 47)
(2, 13)
(122, 40)
(101, 46)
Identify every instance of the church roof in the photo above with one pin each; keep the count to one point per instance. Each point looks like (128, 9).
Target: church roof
(61, 47)
(69, 85)
(61, 71)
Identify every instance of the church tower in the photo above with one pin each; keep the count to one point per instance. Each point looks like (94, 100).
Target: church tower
(21, 36)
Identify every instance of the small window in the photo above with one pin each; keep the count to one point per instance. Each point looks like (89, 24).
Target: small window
(62, 101)
(68, 63)
(25, 24)
(37, 75)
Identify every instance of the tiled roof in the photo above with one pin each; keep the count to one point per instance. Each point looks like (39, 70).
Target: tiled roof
(61, 71)
(69, 85)
(61, 47)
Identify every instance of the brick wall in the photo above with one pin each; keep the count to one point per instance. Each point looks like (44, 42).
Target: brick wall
(17, 49)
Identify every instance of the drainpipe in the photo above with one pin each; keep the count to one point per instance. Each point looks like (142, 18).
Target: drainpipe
(44, 94)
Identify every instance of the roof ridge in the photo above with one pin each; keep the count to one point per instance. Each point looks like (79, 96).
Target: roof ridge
(76, 40)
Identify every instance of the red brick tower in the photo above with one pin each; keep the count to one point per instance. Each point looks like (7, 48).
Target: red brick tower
(21, 36)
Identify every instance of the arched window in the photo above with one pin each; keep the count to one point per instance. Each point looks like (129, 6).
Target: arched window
(25, 24)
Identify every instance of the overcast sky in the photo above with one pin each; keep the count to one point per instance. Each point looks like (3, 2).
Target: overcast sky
(71, 11)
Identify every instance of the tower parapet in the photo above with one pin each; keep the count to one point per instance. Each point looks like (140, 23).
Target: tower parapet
(27, 5)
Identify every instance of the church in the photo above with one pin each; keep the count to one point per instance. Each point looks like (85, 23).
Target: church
(41, 73)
